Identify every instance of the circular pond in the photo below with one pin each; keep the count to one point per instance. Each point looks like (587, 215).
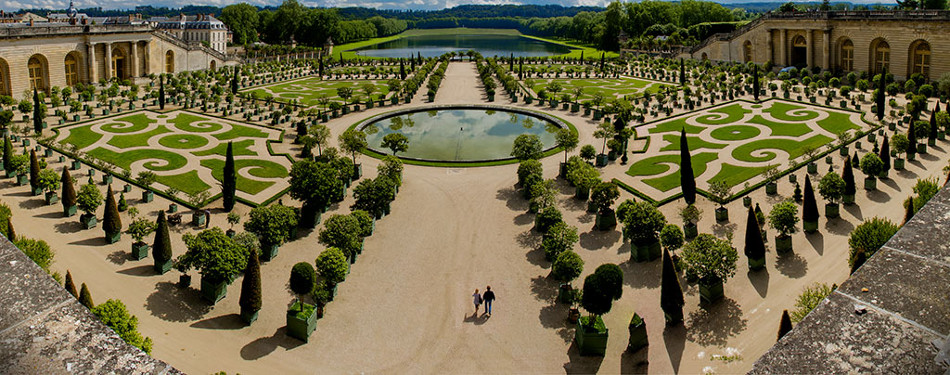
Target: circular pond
(460, 134)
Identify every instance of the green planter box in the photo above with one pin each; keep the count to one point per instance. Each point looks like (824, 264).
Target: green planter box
(591, 339)
(51, 198)
(644, 252)
(582, 194)
(172, 208)
(88, 221)
(213, 290)
(792, 178)
(106, 179)
(112, 238)
(147, 196)
(21, 180)
(848, 198)
(829, 159)
(301, 321)
(139, 250)
(638, 334)
(832, 209)
(922, 148)
(268, 252)
(564, 293)
(810, 226)
(575, 108)
(198, 219)
(249, 317)
(602, 160)
(722, 214)
(771, 188)
(870, 183)
(161, 268)
(690, 230)
(783, 244)
(756, 264)
(76, 164)
(746, 201)
(711, 292)
(606, 220)
(36, 190)
(898, 164)
(69, 211)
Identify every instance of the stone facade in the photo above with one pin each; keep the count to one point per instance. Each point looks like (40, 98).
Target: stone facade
(901, 41)
(200, 28)
(62, 55)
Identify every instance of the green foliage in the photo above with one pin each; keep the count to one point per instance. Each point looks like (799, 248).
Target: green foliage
(48, 180)
(397, 142)
(89, 198)
(690, 214)
(146, 178)
(754, 243)
(900, 143)
(111, 222)
(567, 140)
(711, 259)
(113, 314)
(365, 220)
(784, 217)
(302, 278)
(70, 286)
(547, 218)
(374, 195)
(642, 223)
(392, 168)
(353, 141)
(342, 232)
(34, 170)
(671, 293)
(315, 183)
(924, 190)
(604, 195)
(868, 237)
(526, 146)
(229, 182)
(19, 164)
(85, 298)
(333, 265)
(831, 187)
(529, 167)
(559, 238)
(601, 288)
(809, 206)
(37, 250)
(139, 228)
(671, 237)
(810, 297)
(872, 165)
(272, 224)
(568, 266)
(162, 243)
(583, 175)
(588, 152)
(215, 255)
(720, 190)
(687, 180)
(251, 285)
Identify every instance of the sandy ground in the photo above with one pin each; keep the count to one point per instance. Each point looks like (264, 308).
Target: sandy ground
(406, 305)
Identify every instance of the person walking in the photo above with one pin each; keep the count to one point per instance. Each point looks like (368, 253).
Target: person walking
(489, 296)
(207, 218)
(477, 299)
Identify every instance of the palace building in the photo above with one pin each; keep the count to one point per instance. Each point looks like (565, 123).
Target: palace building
(75, 48)
(841, 41)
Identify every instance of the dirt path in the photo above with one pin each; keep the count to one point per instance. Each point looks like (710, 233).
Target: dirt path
(406, 305)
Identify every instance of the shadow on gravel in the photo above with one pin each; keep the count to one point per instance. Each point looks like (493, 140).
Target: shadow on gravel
(172, 303)
(263, 346)
(229, 321)
(714, 324)
(581, 364)
(791, 265)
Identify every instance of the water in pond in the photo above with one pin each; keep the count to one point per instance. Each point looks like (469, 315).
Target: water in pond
(467, 134)
(487, 44)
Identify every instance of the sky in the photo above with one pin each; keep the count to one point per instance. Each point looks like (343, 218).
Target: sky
(13, 5)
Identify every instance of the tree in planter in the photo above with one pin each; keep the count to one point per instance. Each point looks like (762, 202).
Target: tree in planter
(70, 286)
(8, 154)
(601, 288)
(374, 196)
(113, 314)
(111, 222)
(89, 199)
(559, 238)
(603, 197)
(272, 224)
(911, 140)
(526, 147)
(712, 261)
(720, 190)
(671, 237)
(547, 218)
(754, 243)
(314, 183)
(229, 182)
(604, 131)
(527, 168)
(146, 179)
(687, 180)
(832, 188)
(333, 266)
(85, 297)
(690, 215)
(34, 173)
(671, 293)
(849, 189)
(872, 166)
(353, 142)
(138, 229)
(161, 245)
(250, 301)
(567, 266)
(867, 238)
(885, 155)
(642, 226)
(217, 258)
(810, 208)
(584, 177)
(49, 182)
(302, 281)
(900, 145)
(343, 232)
(784, 219)
(588, 153)
(392, 168)
(397, 142)
(567, 140)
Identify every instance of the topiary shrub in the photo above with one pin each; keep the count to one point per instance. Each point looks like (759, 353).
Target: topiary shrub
(333, 265)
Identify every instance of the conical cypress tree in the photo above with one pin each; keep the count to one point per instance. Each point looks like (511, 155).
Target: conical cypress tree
(85, 298)
(809, 208)
(511, 63)
(687, 180)
(7, 153)
(37, 113)
(755, 82)
(932, 135)
(912, 137)
(908, 209)
(683, 73)
(785, 325)
(602, 60)
(671, 294)
(111, 222)
(855, 160)
(251, 286)
(521, 66)
(70, 286)
(879, 95)
(34, 171)
(402, 69)
(11, 233)
(69, 191)
(885, 154)
(234, 81)
(848, 176)
(162, 244)
(161, 91)
(754, 244)
(229, 183)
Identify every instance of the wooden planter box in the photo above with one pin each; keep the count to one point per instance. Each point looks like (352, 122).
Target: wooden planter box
(756, 264)
(591, 340)
(268, 252)
(848, 198)
(147, 196)
(69, 211)
(112, 238)
(249, 317)
(771, 188)
(606, 220)
(213, 290)
(644, 252)
(711, 292)
(832, 209)
(690, 230)
(722, 214)
(810, 226)
(301, 321)
(139, 250)
(163, 267)
(870, 183)
(198, 218)
(51, 198)
(898, 164)
(783, 244)
(88, 221)
(602, 160)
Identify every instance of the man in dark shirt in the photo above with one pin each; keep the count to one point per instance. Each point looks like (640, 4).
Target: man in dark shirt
(488, 297)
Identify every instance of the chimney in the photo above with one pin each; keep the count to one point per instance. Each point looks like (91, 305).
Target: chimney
(31, 21)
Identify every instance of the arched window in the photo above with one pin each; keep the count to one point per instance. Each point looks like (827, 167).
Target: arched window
(920, 62)
(799, 41)
(72, 70)
(169, 62)
(705, 56)
(37, 70)
(747, 51)
(847, 55)
(213, 65)
(882, 55)
(118, 63)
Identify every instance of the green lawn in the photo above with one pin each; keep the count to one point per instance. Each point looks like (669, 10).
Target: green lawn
(734, 133)
(657, 165)
(837, 122)
(240, 148)
(238, 131)
(779, 110)
(262, 168)
(675, 126)
(136, 140)
(783, 129)
(188, 182)
(792, 147)
(308, 91)
(81, 137)
(167, 160)
(735, 175)
(189, 123)
(610, 88)
(183, 141)
(695, 143)
(733, 114)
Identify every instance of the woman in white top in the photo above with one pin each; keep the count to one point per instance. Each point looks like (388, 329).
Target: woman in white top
(477, 299)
